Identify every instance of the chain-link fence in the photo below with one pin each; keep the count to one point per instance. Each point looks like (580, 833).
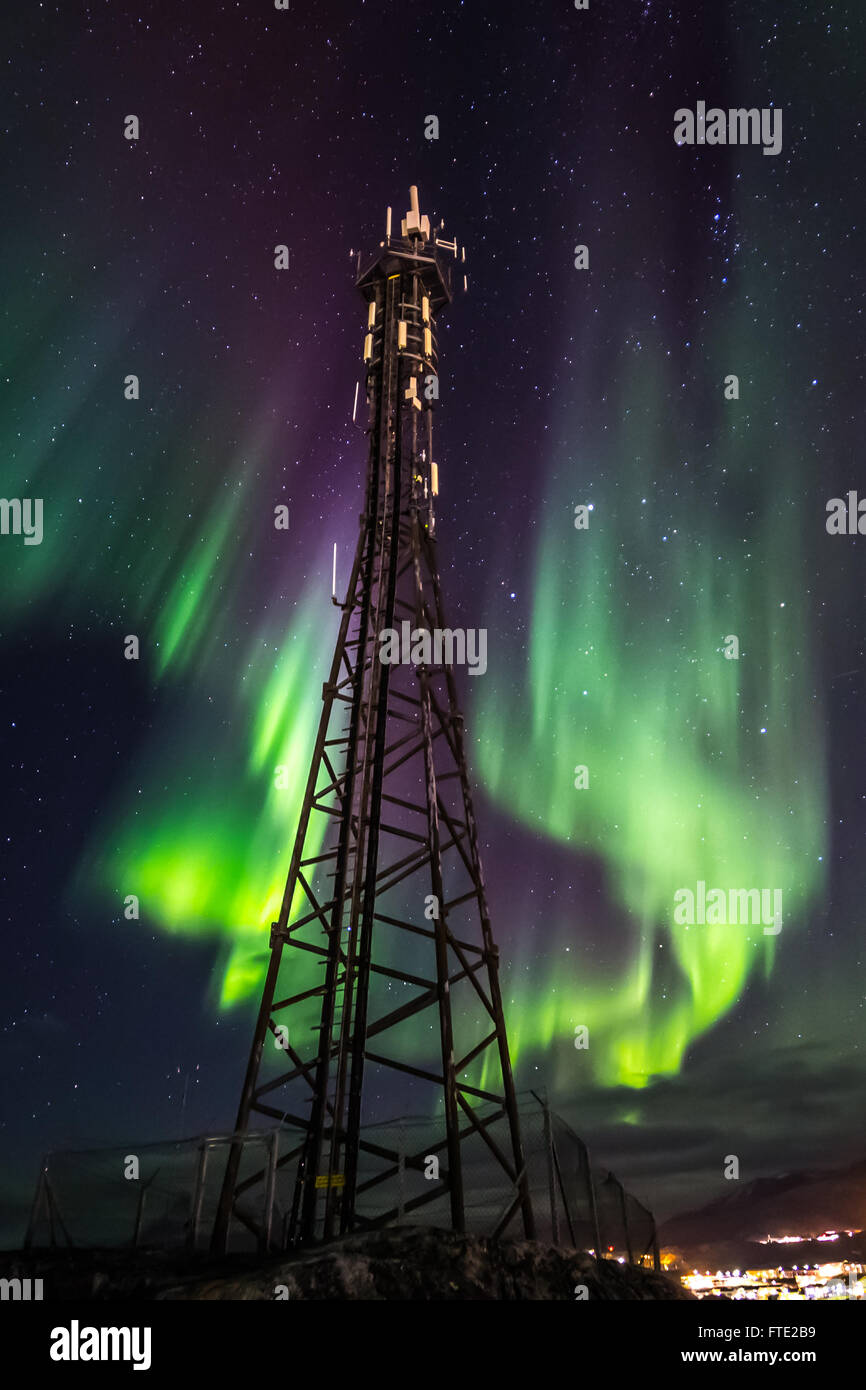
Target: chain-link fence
(165, 1195)
(160, 1195)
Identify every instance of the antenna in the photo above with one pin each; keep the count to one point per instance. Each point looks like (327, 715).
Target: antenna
(362, 428)
(334, 578)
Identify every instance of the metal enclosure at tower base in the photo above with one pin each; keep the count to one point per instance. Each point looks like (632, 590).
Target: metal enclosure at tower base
(383, 972)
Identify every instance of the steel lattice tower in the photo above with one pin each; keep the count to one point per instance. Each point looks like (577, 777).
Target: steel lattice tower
(394, 897)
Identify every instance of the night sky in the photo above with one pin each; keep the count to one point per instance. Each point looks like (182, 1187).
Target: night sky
(559, 387)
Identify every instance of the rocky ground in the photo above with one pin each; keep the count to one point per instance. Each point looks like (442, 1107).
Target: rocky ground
(417, 1264)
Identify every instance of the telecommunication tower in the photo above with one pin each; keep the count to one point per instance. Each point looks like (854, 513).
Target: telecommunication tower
(391, 903)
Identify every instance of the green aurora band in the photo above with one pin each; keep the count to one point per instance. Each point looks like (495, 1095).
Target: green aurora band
(201, 827)
(209, 858)
(706, 514)
(700, 767)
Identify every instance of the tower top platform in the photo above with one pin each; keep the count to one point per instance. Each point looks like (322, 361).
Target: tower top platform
(417, 248)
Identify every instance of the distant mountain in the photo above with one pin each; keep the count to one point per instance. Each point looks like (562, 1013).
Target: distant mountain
(792, 1204)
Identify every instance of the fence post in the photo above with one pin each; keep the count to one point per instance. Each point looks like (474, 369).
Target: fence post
(54, 1210)
(551, 1174)
(564, 1198)
(37, 1205)
(624, 1205)
(592, 1205)
(140, 1212)
(198, 1195)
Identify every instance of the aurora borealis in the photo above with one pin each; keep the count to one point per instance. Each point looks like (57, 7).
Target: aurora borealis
(694, 760)
(605, 646)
